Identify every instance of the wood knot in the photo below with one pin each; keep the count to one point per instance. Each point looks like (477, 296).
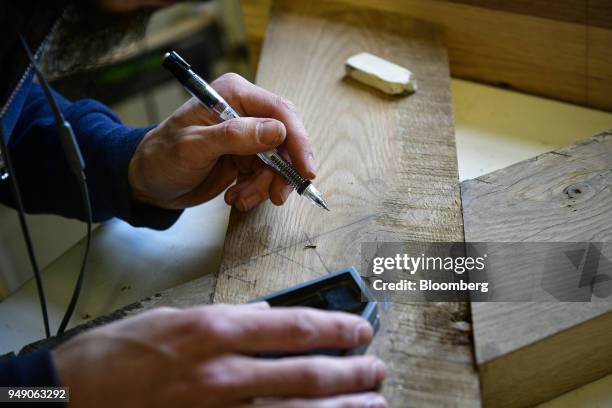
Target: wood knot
(574, 191)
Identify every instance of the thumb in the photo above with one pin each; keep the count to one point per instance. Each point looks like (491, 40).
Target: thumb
(242, 136)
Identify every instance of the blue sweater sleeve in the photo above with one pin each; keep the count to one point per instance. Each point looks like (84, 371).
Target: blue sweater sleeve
(35, 369)
(29, 370)
(107, 145)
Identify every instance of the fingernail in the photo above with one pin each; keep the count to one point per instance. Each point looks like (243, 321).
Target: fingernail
(249, 202)
(310, 162)
(376, 401)
(285, 193)
(379, 370)
(269, 132)
(363, 333)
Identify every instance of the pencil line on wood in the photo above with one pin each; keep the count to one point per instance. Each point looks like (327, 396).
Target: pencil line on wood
(316, 252)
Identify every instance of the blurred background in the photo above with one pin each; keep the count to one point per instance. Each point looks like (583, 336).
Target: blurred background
(209, 35)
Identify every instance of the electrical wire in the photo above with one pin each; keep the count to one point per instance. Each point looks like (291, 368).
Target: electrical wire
(77, 166)
(25, 230)
(79, 283)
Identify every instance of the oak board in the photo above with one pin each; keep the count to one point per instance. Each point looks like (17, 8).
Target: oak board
(388, 168)
(529, 352)
(556, 49)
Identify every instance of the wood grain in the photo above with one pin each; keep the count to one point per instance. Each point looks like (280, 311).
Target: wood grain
(540, 47)
(531, 352)
(388, 168)
(599, 67)
(599, 13)
(572, 11)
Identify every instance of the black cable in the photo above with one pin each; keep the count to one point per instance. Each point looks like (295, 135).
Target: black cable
(67, 139)
(79, 283)
(77, 166)
(25, 230)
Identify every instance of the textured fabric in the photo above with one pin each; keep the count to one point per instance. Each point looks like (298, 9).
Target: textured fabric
(47, 186)
(30, 370)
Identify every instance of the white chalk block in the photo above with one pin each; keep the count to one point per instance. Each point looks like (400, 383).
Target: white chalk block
(381, 74)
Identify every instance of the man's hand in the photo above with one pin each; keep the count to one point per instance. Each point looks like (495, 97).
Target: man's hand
(189, 158)
(202, 357)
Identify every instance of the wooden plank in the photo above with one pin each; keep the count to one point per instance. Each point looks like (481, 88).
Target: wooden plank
(527, 46)
(599, 86)
(572, 11)
(388, 168)
(531, 352)
(599, 46)
(255, 14)
(599, 13)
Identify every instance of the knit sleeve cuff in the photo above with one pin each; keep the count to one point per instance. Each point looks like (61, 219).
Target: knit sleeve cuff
(135, 213)
(34, 369)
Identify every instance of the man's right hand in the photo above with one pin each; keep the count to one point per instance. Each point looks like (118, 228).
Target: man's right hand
(203, 357)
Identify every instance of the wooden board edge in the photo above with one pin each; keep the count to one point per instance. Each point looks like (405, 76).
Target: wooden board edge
(594, 94)
(598, 138)
(533, 374)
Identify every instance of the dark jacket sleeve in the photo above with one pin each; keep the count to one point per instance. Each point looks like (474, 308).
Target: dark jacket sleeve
(29, 370)
(107, 145)
(34, 369)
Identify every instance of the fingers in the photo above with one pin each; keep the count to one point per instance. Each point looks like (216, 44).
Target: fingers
(292, 329)
(253, 189)
(242, 136)
(300, 329)
(244, 163)
(280, 189)
(243, 378)
(313, 376)
(361, 400)
(258, 102)
(250, 192)
(221, 177)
